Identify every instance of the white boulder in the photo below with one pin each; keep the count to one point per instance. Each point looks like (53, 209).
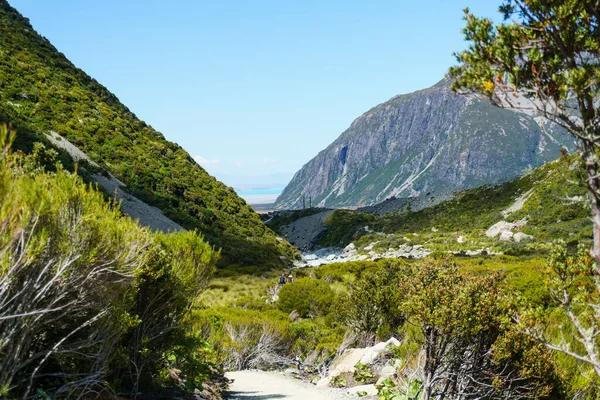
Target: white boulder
(505, 236)
(499, 227)
(520, 236)
(370, 246)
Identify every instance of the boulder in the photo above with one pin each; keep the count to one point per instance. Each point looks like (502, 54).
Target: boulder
(371, 353)
(505, 236)
(370, 390)
(370, 246)
(324, 382)
(292, 371)
(386, 373)
(520, 236)
(499, 227)
(346, 362)
(351, 248)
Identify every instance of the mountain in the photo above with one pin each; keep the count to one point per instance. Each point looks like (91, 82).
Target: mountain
(428, 143)
(42, 93)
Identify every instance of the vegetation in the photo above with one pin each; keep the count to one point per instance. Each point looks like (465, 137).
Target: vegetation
(308, 297)
(90, 302)
(553, 207)
(548, 55)
(41, 91)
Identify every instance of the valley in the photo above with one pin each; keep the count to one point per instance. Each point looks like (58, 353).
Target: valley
(445, 246)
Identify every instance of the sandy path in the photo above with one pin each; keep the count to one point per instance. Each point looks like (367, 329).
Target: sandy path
(260, 385)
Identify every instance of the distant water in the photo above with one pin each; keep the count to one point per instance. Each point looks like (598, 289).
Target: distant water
(260, 195)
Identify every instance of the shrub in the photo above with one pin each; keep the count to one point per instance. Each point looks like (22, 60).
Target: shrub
(178, 270)
(85, 291)
(373, 304)
(245, 338)
(68, 259)
(308, 297)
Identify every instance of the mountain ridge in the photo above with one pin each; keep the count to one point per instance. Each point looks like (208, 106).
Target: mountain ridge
(428, 142)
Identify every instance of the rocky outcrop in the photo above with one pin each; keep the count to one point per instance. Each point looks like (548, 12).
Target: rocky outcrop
(503, 231)
(349, 359)
(423, 145)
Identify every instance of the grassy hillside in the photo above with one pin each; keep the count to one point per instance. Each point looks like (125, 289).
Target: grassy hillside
(553, 205)
(42, 91)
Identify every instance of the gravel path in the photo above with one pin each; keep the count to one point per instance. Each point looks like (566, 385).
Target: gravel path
(260, 385)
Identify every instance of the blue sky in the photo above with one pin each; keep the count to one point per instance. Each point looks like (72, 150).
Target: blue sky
(255, 89)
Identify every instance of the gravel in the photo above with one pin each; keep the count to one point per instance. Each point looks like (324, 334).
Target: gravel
(261, 385)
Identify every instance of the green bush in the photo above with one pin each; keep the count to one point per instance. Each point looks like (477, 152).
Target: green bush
(87, 292)
(373, 304)
(308, 297)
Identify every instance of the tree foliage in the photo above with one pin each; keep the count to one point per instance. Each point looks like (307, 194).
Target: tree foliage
(461, 319)
(546, 60)
(308, 297)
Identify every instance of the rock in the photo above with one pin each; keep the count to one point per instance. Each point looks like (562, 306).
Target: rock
(370, 246)
(292, 371)
(324, 382)
(370, 390)
(460, 239)
(520, 236)
(386, 372)
(331, 257)
(346, 362)
(505, 236)
(351, 248)
(499, 227)
(521, 223)
(371, 353)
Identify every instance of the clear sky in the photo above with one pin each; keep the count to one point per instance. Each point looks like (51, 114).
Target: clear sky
(255, 89)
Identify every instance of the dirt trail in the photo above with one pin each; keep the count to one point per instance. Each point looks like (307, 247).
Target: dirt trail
(260, 385)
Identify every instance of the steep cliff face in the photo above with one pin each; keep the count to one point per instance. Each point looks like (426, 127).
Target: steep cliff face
(427, 143)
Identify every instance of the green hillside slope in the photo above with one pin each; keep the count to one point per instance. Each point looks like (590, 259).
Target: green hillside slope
(42, 91)
(549, 203)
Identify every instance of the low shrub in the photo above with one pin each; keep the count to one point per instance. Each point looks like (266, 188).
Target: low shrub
(308, 297)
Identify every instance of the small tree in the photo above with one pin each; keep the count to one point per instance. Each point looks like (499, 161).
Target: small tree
(546, 60)
(460, 319)
(372, 305)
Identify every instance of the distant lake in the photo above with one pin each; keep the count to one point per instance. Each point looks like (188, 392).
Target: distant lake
(260, 195)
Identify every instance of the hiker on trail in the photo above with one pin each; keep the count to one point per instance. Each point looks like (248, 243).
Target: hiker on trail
(290, 279)
(282, 279)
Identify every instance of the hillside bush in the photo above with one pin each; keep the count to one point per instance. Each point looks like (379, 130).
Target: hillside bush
(86, 292)
(372, 306)
(244, 339)
(308, 297)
